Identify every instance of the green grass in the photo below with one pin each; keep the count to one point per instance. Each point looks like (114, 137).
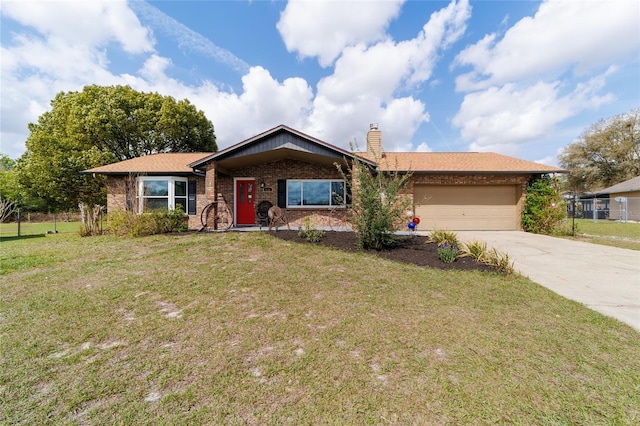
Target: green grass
(610, 233)
(243, 328)
(27, 229)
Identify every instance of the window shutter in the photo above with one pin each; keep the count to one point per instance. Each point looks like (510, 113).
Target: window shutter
(282, 193)
(191, 208)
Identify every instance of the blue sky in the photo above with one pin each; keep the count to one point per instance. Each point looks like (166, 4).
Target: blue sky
(521, 78)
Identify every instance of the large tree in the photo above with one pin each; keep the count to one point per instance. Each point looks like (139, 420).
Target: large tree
(98, 126)
(608, 152)
(11, 190)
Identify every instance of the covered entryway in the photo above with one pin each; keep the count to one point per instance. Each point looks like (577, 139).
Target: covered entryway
(467, 207)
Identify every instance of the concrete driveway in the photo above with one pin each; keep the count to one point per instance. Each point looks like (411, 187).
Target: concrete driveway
(605, 279)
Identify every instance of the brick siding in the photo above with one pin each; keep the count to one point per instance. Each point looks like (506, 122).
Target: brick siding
(270, 173)
(117, 197)
(208, 187)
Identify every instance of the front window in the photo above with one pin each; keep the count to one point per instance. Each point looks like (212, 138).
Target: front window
(163, 193)
(315, 193)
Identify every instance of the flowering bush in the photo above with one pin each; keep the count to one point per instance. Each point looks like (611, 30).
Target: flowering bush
(447, 252)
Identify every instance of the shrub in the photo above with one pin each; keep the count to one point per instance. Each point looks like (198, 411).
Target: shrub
(544, 209)
(500, 261)
(310, 233)
(567, 228)
(447, 252)
(378, 205)
(440, 237)
(494, 258)
(169, 221)
(477, 250)
(124, 223)
(119, 222)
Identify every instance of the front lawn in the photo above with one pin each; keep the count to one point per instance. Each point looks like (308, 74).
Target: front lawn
(609, 232)
(27, 229)
(244, 328)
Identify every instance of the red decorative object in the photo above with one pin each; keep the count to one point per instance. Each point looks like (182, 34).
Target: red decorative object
(416, 220)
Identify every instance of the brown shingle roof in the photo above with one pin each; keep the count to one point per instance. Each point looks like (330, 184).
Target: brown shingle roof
(465, 162)
(170, 162)
(630, 185)
(435, 162)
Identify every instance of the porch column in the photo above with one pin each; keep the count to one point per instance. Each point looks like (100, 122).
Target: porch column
(210, 193)
(210, 183)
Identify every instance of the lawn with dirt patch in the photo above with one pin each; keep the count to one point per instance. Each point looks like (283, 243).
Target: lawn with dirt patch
(609, 233)
(245, 328)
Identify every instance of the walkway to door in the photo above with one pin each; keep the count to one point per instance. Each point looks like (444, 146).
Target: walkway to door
(605, 279)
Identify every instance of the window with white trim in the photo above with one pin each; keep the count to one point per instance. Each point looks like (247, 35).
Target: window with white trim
(315, 193)
(162, 192)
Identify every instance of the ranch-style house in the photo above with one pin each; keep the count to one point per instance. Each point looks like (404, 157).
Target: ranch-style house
(298, 173)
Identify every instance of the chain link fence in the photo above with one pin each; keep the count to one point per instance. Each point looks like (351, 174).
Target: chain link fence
(623, 209)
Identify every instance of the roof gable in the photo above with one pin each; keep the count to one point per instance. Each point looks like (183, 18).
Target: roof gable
(278, 142)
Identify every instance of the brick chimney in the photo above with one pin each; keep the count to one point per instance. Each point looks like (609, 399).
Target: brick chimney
(374, 142)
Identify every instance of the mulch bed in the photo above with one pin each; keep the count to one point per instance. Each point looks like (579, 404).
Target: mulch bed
(411, 249)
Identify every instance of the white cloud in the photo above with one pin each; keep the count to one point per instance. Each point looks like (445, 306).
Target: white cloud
(423, 147)
(563, 35)
(324, 29)
(549, 160)
(445, 27)
(33, 71)
(264, 103)
(76, 22)
(544, 70)
(369, 82)
(503, 118)
(383, 68)
(365, 84)
(64, 49)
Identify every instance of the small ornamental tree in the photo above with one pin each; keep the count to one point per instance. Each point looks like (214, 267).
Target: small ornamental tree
(7, 208)
(378, 204)
(544, 208)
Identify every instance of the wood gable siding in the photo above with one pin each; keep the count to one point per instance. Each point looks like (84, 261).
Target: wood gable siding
(283, 140)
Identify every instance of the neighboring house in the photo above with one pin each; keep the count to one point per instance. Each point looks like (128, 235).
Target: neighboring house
(624, 200)
(457, 191)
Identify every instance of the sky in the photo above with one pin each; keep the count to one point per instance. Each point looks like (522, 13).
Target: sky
(520, 78)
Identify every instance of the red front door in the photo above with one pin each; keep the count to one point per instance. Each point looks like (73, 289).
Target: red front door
(245, 202)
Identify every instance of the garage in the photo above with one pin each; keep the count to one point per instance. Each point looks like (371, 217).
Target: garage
(467, 207)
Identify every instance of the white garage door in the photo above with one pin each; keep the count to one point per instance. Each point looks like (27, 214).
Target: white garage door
(467, 207)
